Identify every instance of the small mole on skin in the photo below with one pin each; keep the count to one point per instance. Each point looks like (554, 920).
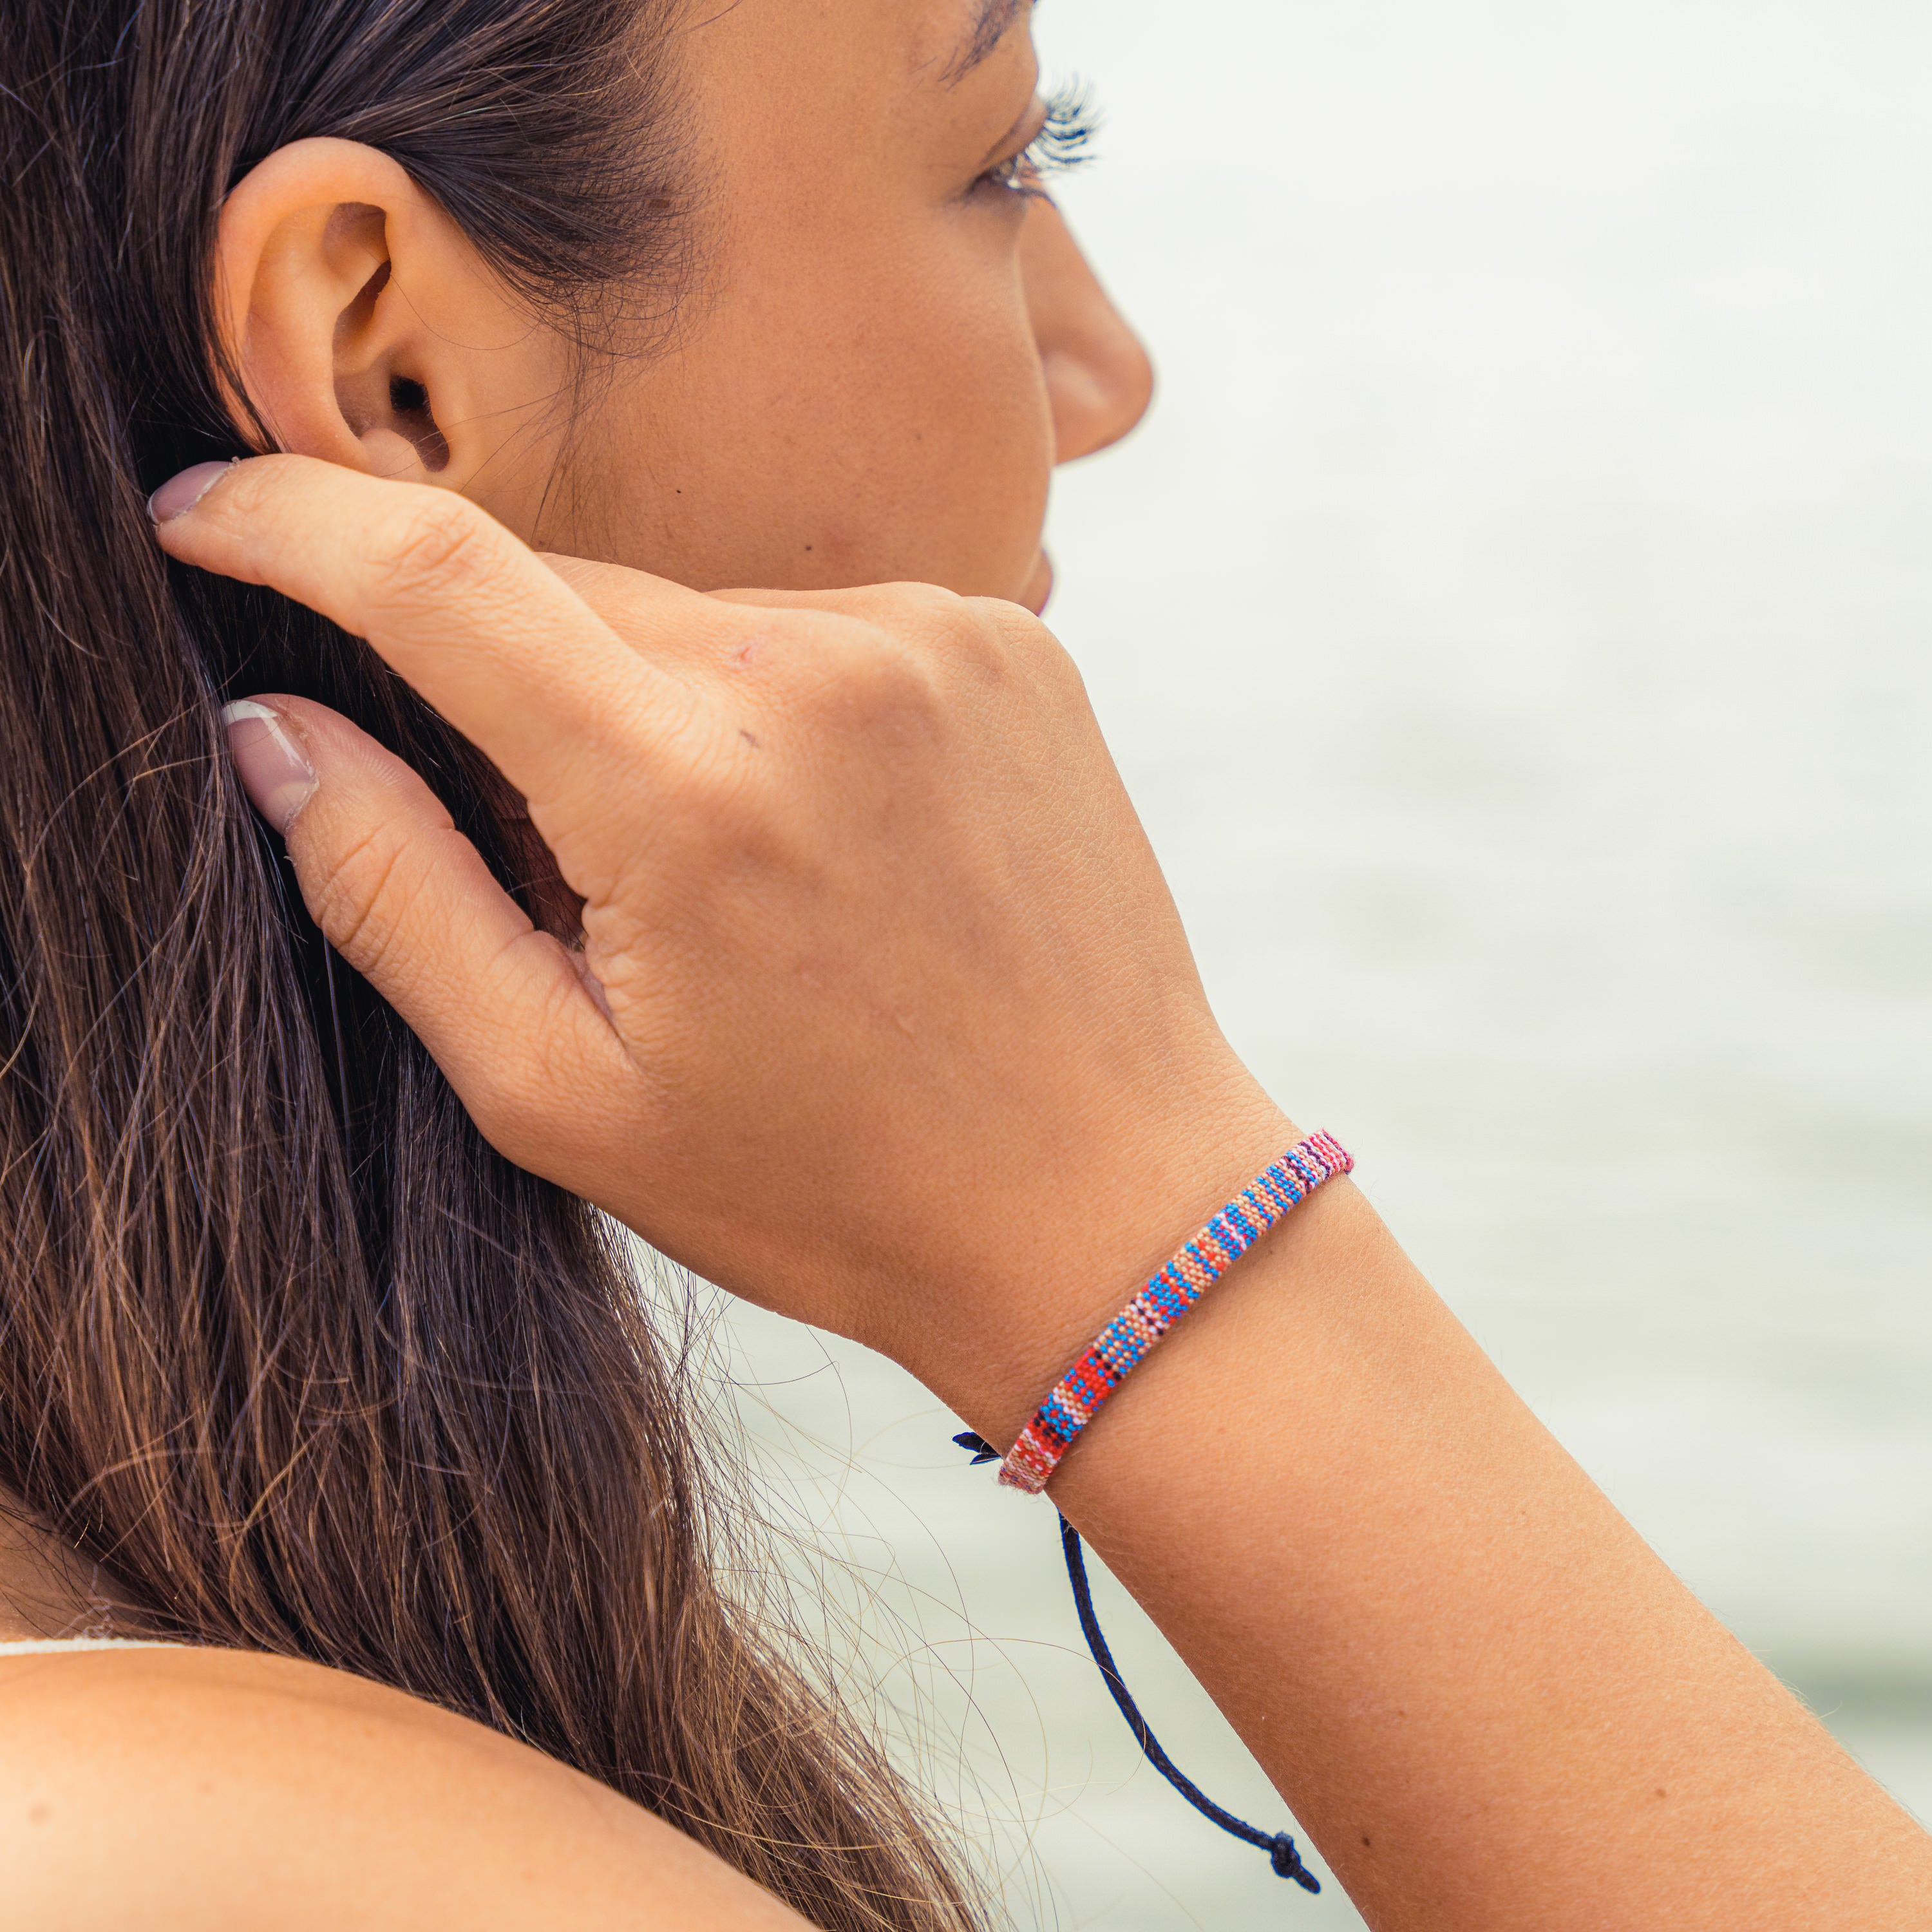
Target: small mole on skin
(1365, 1841)
(1661, 1792)
(39, 1814)
(808, 546)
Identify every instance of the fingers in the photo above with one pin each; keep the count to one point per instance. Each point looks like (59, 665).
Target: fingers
(409, 903)
(685, 637)
(720, 622)
(500, 645)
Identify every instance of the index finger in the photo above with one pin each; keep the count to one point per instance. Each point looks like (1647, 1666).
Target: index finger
(502, 647)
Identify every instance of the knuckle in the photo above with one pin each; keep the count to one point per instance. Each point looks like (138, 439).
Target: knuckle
(440, 546)
(858, 672)
(1028, 648)
(1053, 664)
(360, 900)
(932, 602)
(884, 687)
(956, 634)
(904, 606)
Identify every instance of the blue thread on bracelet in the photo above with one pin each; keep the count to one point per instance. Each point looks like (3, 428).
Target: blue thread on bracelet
(1165, 1296)
(1280, 1848)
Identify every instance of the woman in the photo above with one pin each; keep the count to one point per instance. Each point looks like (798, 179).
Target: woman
(805, 932)
(291, 1361)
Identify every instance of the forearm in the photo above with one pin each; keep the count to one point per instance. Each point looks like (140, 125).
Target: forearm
(1484, 1696)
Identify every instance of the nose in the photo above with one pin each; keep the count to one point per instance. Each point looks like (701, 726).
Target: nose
(1098, 377)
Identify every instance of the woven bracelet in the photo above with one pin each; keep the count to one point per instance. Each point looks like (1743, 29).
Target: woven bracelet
(1119, 1347)
(1122, 1345)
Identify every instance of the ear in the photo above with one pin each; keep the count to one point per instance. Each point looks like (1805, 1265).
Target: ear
(368, 331)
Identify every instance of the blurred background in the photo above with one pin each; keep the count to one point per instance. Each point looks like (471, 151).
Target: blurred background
(1526, 571)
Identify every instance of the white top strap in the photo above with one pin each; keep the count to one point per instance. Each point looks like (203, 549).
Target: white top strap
(38, 1646)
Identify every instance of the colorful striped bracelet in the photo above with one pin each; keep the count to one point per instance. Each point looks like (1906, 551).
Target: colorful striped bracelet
(1169, 1294)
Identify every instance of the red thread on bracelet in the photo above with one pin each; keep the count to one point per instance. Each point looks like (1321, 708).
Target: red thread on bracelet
(1170, 1292)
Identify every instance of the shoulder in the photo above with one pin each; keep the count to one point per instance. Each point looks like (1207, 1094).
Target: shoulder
(183, 1788)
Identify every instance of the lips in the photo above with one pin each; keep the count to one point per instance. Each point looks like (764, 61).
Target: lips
(1039, 585)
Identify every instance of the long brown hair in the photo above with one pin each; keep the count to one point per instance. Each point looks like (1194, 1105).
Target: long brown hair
(283, 1343)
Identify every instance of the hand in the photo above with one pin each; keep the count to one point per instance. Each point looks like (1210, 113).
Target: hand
(882, 1015)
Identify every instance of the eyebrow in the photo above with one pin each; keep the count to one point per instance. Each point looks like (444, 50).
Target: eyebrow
(995, 16)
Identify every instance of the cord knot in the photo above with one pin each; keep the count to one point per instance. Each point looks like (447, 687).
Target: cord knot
(1287, 1863)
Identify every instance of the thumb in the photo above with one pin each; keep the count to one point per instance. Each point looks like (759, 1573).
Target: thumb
(504, 1008)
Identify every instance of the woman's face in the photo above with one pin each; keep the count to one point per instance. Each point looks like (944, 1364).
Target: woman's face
(888, 342)
(884, 346)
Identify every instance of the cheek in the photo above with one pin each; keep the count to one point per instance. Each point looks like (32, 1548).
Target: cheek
(951, 435)
(872, 415)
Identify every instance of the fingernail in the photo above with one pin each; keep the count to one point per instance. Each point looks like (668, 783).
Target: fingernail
(179, 494)
(273, 769)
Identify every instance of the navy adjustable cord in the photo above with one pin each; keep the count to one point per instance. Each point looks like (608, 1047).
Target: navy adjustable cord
(1278, 1845)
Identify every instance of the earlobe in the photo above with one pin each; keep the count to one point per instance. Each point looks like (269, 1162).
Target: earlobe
(362, 326)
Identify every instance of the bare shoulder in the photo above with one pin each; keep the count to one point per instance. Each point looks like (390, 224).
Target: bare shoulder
(175, 1789)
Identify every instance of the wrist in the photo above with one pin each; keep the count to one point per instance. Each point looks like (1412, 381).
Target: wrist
(1036, 1299)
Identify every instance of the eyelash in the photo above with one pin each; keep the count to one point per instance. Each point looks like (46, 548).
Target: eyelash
(1064, 143)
